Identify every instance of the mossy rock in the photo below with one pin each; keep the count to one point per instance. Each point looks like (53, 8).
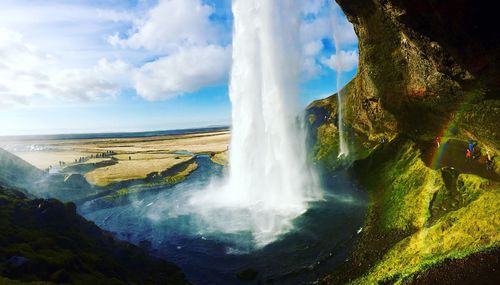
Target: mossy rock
(46, 241)
(418, 217)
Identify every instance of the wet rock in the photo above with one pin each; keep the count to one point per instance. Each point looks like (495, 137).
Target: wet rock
(248, 274)
(17, 261)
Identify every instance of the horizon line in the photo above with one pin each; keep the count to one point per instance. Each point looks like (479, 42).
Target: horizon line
(103, 134)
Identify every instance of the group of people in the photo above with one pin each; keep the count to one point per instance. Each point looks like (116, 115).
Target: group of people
(103, 154)
(471, 153)
(97, 155)
(82, 159)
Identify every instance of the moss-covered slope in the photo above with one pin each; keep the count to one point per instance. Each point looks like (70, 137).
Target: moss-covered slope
(419, 217)
(426, 69)
(45, 240)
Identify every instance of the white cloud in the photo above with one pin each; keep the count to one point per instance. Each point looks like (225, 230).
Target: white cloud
(190, 46)
(104, 80)
(323, 21)
(21, 68)
(342, 29)
(172, 24)
(79, 67)
(343, 61)
(27, 73)
(185, 71)
(312, 48)
(312, 6)
(62, 51)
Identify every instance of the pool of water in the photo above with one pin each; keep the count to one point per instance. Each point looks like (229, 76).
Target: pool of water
(320, 240)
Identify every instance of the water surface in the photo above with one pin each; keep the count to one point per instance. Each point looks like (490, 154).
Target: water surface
(320, 240)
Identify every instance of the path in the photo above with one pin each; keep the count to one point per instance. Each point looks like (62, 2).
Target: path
(453, 155)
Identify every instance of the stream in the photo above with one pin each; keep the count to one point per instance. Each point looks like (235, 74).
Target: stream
(319, 241)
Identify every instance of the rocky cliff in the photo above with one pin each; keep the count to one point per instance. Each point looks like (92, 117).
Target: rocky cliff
(426, 69)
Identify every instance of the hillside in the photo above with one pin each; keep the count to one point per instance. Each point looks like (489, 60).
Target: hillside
(46, 240)
(16, 172)
(426, 70)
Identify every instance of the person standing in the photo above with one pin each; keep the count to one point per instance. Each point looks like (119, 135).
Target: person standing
(489, 161)
(438, 141)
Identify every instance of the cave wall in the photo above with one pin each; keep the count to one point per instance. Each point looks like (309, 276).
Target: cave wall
(426, 68)
(424, 65)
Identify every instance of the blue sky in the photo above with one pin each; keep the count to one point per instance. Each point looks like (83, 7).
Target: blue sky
(104, 66)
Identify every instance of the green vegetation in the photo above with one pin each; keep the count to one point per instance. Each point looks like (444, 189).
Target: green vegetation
(416, 81)
(181, 175)
(418, 217)
(136, 168)
(46, 242)
(327, 145)
(459, 233)
(16, 172)
(220, 157)
(408, 189)
(168, 178)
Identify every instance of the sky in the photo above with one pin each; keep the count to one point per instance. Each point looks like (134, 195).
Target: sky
(83, 66)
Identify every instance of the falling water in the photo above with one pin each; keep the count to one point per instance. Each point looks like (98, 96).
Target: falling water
(344, 150)
(269, 182)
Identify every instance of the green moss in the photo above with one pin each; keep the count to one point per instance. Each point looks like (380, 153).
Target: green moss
(157, 181)
(471, 186)
(181, 175)
(460, 233)
(57, 245)
(119, 193)
(417, 218)
(220, 158)
(311, 118)
(401, 186)
(327, 145)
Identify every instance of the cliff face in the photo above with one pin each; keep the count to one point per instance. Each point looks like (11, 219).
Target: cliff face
(425, 67)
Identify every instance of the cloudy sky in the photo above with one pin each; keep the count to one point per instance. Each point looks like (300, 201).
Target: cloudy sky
(99, 66)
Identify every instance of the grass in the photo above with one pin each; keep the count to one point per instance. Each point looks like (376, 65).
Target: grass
(416, 220)
(411, 188)
(326, 148)
(133, 169)
(144, 155)
(44, 159)
(220, 157)
(166, 181)
(460, 233)
(59, 246)
(181, 175)
(69, 150)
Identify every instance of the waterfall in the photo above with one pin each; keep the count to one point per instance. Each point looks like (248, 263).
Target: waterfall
(343, 147)
(269, 182)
